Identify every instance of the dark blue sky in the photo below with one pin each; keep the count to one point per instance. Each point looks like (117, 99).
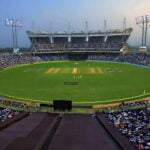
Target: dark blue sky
(39, 14)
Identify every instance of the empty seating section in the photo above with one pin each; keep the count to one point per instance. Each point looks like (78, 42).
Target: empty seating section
(34, 137)
(20, 129)
(57, 131)
(80, 132)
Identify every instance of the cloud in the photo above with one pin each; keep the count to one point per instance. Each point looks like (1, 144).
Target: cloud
(142, 7)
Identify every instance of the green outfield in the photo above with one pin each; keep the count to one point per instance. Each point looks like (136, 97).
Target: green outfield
(83, 82)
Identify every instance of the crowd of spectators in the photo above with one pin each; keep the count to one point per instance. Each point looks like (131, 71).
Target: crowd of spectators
(135, 58)
(53, 57)
(94, 43)
(7, 102)
(114, 43)
(132, 104)
(11, 60)
(6, 114)
(102, 57)
(135, 125)
(130, 57)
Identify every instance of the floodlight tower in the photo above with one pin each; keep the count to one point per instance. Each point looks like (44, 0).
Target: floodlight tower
(105, 26)
(87, 31)
(124, 30)
(143, 22)
(105, 33)
(32, 38)
(86, 26)
(51, 32)
(9, 22)
(69, 27)
(124, 23)
(69, 35)
(32, 25)
(17, 24)
(50, 26)
(14, 24)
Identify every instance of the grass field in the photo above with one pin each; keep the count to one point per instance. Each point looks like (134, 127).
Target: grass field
(97, 82)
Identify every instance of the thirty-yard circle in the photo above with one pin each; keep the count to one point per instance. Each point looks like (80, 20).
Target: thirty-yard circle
(82, 82)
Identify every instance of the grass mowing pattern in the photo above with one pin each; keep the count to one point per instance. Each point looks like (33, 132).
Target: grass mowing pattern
(99, 82)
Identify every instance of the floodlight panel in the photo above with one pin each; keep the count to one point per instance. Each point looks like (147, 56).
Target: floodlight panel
(9, 22)
(143, 19)
(18, 23)
(12, 22)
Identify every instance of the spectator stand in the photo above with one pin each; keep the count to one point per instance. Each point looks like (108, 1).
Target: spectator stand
(133, 124)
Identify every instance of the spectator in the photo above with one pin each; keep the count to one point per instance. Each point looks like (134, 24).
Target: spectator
(135, 125)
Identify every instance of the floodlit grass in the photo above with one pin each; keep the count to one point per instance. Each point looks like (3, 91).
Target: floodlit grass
(98, 82)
